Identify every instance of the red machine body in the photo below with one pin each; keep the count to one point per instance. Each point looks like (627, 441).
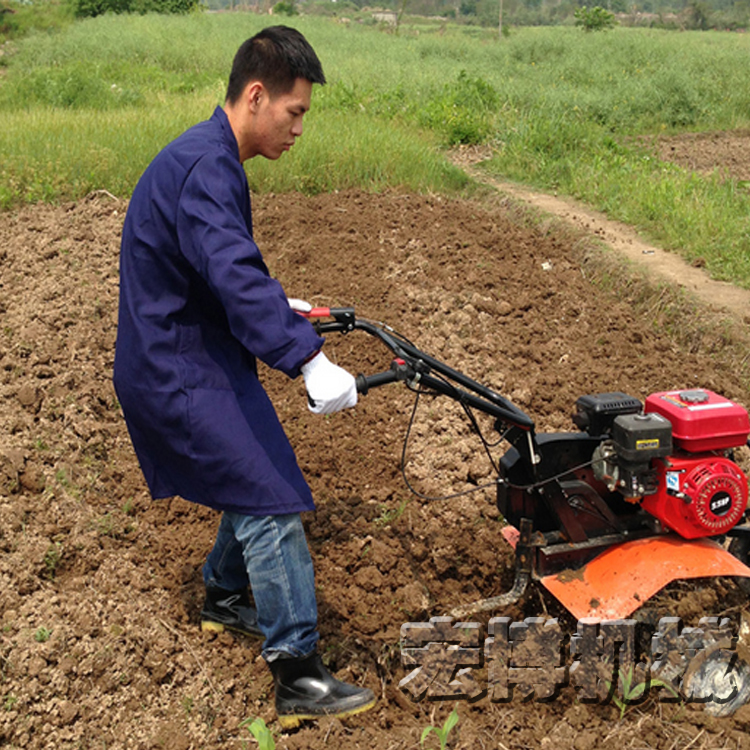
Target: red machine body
(701, 419)
(698, 495)
(700, 491)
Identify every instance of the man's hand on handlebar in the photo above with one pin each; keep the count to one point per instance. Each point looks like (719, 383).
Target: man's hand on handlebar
(330, 388)
(299, 305)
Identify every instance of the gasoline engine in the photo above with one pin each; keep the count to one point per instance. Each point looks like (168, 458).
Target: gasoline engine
(675, 458)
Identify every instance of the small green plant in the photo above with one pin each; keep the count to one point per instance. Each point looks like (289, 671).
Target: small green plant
(64, 480)
(634, 692)
(52, 559)
(594, 19)
(261, 733)
(10, 702)
(388, 515)
(105, 525)
(443, 732)
(42, 634)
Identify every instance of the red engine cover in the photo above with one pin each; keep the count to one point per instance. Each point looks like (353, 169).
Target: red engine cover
(698, 495)
(701, 419)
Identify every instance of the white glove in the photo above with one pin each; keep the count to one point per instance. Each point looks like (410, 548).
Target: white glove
(330, 388)
(299, 305)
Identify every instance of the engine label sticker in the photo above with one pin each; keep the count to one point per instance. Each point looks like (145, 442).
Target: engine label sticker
(647, 444)
(673, 480)
(706, 407)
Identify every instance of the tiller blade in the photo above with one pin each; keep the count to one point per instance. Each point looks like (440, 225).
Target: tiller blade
(618, 581)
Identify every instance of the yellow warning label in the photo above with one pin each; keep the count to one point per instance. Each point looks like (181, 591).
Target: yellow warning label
(650, 444)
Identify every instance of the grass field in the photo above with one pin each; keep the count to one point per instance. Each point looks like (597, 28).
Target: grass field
(88, 107)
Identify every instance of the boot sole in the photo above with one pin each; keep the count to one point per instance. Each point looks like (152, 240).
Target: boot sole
(211, 626)
(292, 721)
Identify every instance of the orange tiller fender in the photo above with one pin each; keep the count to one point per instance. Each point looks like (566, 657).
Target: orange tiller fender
(618, 581)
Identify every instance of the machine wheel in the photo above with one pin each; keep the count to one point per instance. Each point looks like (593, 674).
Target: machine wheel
(720, 679)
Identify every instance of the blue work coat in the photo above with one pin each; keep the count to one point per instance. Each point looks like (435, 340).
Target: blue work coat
(197, 306)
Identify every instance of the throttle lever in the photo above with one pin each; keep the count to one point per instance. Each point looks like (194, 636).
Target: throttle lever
(342, 315)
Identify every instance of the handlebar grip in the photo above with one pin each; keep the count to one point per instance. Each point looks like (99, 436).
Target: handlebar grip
(365, 382)
(318, 312)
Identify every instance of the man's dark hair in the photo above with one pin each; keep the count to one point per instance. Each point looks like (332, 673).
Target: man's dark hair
(277, 57)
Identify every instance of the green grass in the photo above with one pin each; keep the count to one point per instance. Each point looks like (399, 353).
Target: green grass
(87, 108)
(50, 155)
(41, 15)
(77, 151)
(368, 152)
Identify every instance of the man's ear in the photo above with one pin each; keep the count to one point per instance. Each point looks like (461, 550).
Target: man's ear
(254, 94)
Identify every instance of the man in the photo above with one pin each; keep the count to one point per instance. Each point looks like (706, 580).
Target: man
(197, 306)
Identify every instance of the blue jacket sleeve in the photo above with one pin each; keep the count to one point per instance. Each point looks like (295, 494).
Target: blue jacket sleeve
(214, 230)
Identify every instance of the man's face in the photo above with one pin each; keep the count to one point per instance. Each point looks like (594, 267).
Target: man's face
(278, 119)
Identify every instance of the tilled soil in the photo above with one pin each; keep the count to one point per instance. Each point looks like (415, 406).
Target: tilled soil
(100, 587)
(727, 153)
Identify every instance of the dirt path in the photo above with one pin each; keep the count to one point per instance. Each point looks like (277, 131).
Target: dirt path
(625, 240)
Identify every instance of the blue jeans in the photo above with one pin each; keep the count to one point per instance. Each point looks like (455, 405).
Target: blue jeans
(271, 554)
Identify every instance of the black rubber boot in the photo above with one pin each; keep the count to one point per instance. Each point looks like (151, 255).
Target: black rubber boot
(305, 689)
(229, 610)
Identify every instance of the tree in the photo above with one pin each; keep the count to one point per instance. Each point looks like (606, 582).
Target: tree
(91, 8)
(400, 13)
(698, 15)
(594, 19)
(285, 8)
